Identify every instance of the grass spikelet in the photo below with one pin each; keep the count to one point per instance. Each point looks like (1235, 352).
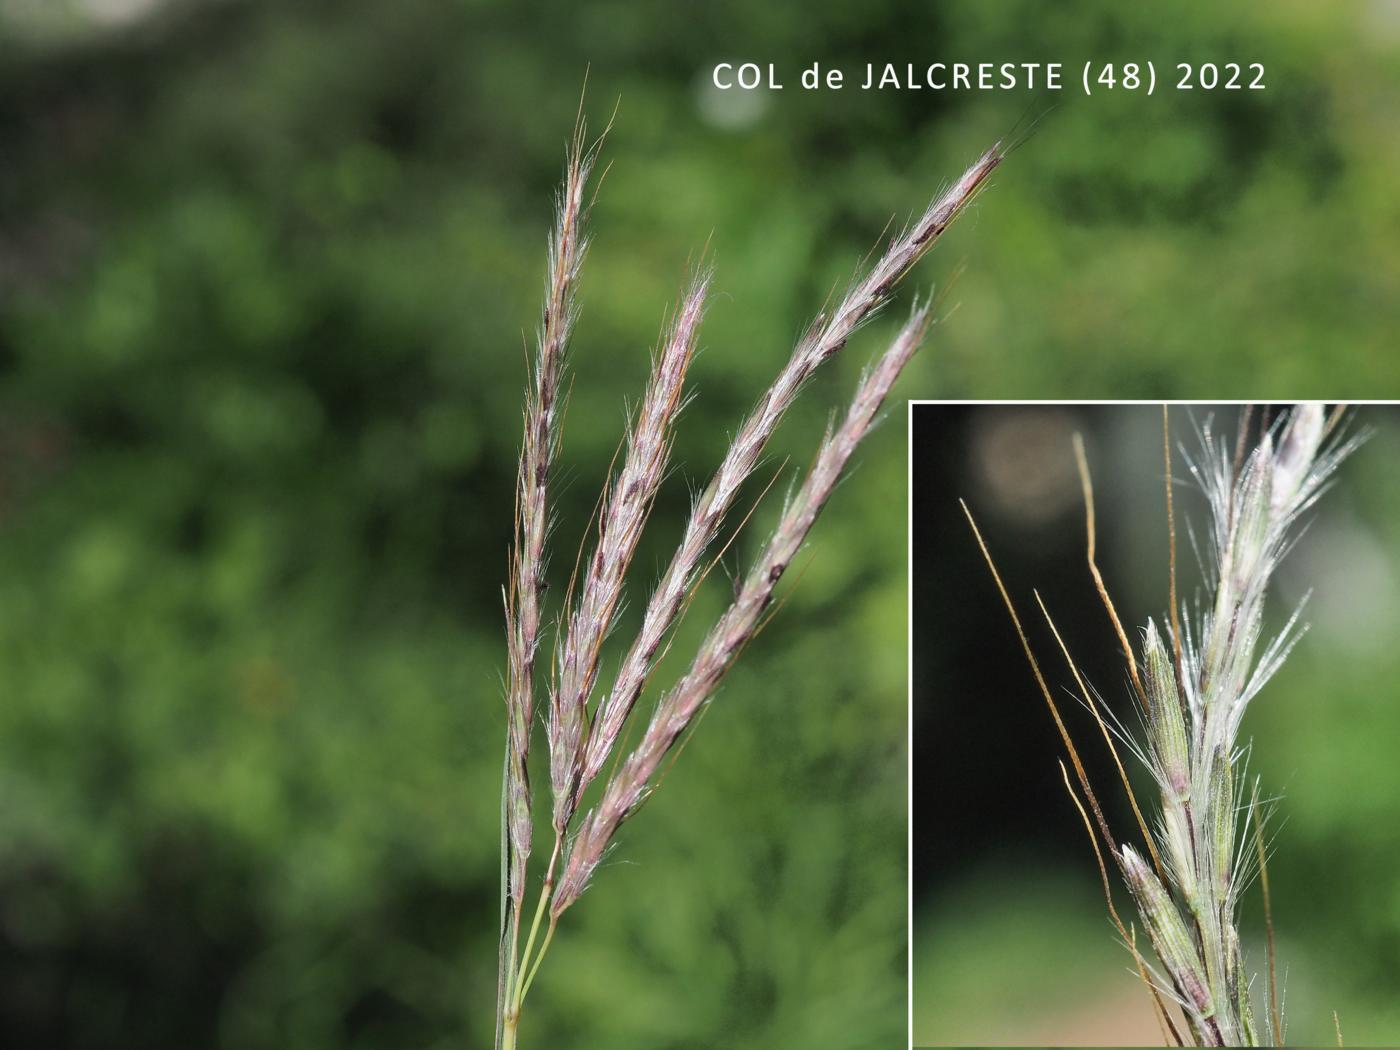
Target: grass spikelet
(567, 248)
(626, 505)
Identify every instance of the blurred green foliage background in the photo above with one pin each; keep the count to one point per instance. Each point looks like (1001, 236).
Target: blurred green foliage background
(1011, 939)
(267, 274)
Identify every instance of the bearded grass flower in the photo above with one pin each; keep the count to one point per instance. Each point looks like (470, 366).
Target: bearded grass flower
(567, 248)
(626, 791)
(1193, 684)
(584, 733)
(1192, 747)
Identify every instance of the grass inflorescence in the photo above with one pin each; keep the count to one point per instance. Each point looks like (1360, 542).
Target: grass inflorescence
(585, 719)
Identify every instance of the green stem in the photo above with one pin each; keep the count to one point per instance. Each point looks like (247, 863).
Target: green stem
(534, 969)
(519, 978)
(510, 943)
(510, 926)
(545, 892)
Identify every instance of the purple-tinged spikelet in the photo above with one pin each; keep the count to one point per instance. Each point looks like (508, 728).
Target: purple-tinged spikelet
(825, 338)
(624, 512)
(528, 556)
(678, 709)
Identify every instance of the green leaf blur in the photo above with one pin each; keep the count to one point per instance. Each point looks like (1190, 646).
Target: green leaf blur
(267, 275)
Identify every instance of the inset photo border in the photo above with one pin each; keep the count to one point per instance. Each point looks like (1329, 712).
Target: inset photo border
(1253, 721)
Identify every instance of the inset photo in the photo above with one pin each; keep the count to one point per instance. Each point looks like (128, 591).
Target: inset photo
(1155, 798)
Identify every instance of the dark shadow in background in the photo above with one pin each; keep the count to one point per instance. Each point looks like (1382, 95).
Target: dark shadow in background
(986, 786)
